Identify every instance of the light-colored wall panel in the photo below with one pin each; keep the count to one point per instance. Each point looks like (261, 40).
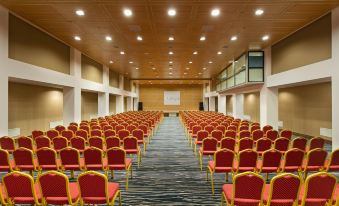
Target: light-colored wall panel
(112, 104)
(33, 107)
(30, 45)
(229, 103)
(306, 109)
(91, 70)
(152, 97)
(113, 79)
(252, 106)
(308, 45)
(89, 105)
(127, 84)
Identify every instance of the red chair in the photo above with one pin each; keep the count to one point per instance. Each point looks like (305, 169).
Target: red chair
(97, 142)
(244, 134)
(193, 134)
(316, 142)
(109, 133)
(139, 134)
(293, 160)
(95, 127)
(286, 133)
(122, 134)
(146, 132)
(47, 159)
(263, 145)
(70, 160)
(131, 147)
(283, 190)
(78, 143)
(52, 133)
(246, 143)
(7, 143)
(272, 135)
(59, 143)
(37, 133)
(112, 142)
(319, 189)
(218, 135)
(95, 189)
(42, 141)
(244, 128)
(93, 159)
(209, 128)
(333, 164)
(232, 127)
(281, 144)
(118, 128)
(201, 135)
(228, 143)
(254, 127)
(57, 190)
(130, 128)
(214, 124)
(24, 160)
(270, 162)
(221, 128)
(299, 143)
(247, 189)
(222, 163)
(116, 160)
(114, 124)
(231, 134)
(257, 134)
(29, 193)
(60, 128)
(5, 163)
(25, 142)
(82, 133)
(315, 161)
(96, 133)
(209, 147)
(68, 134)
(247, 161)
(73, 128)
(267, 128)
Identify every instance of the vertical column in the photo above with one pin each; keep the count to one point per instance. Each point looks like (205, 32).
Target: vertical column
(222, 104)
(238, 105)
(119, 104)
(268, 97)
(103, 97)
(136, 99)
(211, 104)
(335, 79)
(129, 104)
(206, 101)
(121, 81)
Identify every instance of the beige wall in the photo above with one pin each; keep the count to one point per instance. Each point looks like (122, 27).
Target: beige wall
(305, 109)
(229, 103)
(127, 84)
(112, 104)
(89, 105)
(252, 106)
(90, 69)
(308, 45)
(33, 107)
(30, 45)
(152, 97)
(113, 79)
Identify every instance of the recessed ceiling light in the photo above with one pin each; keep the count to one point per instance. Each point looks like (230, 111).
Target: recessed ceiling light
(199, 73)
(171, 62)
(195, 53)
(187, 68)
(203, 38)
(122, 52)
(111, 62)
(154, 68)
(170, 53)
(80, 12)
(204, 68)
(170, 73)
(126, 72)
(259, 12)
(215, 12)
(210, 62)
(78, 38)
(265, 38)
(219, 52)
(128, 12)
(190, 62)
(170, 68)
(171, 38)
(171, 12)
(136, 68)
(108, 38)
(131, 62)
(185, 73)
(233, 38)
(139, 38)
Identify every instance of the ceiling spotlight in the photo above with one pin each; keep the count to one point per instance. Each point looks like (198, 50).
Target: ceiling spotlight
(170, 73)
(111, 62)
(195, 53)
(122, 52)
(171, 12)
(219, 52)
(204, 68)
(108, 38)
(265, 38)
(190, 62)
(170, 53)
(131, 62)
(233, 38)
(128, 12)
(77, 38)
(210, 62)
(139, 38)
(171, 62)
(80, 12)
(136, 68)
(185, 73)
(170, 68)
(199, 73)
(259, 12)
(171, 38)
(187, 68)
(203, 38)
(215, 12)
(154, 68)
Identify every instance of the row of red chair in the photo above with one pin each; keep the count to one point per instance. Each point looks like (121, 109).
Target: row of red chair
(286, 189)
(53, 187)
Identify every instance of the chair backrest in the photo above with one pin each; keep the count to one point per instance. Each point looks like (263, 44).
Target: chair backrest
(266, 128)
(201, 135)
(82, 133)
(69, 156)
(107, 127)
(52, 133)
(284, 188)
(263, 144)
(7, 143)
(4, 160)
(244, 134)
(23, 157)
(93, 155)
(37, 133)
(130, 143)
(271, 158)
(96, 133)
(245, 143)
(60, 128)
(227, 143)
(130, 128)
(231, 133)
(25, 142)
(97, 142)
(46, 156)
(138, 133)
(109, 133)
(68, 134)
(196, 129)
(93, 185)
(247, 158)
(112, 142)
(78, 143)
(281, 144)
(254, 127)
(257, 134)
(60, 143)
(299, 143)
(294, 157)
(122, 134)
(224, 158)
(42, 141)
(209, 128)
(317, 142)
(95, 127)
(316, 157)
(286, 133)
(334, 159)
(217, 134)
(232, 127)
(116, 156)
(319, 188)
(73, 128)
(248, 185)
(209, 144)
(222, 128)
(16, 179)
(272, 134)
(118, 128)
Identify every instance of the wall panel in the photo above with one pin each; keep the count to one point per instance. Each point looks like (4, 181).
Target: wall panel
(252, 106)
(229, 104)
(112, 104)
(113, 79)
(91, 70)
(89, 105)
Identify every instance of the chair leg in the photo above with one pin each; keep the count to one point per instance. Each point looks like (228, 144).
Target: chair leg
(72, 174)
(139, 159)
(145, 149)
(127, 173)
(222, 200)
(195, 149)
(120, 199)
(212, 183)
(200, 160)
(266, 176)
(226, 176)
(112, 174)
(207, 174)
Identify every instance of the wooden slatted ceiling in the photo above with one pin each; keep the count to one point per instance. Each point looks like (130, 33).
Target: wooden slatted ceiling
(150, 20)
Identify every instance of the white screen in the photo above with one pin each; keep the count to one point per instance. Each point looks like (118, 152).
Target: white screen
(171, 97)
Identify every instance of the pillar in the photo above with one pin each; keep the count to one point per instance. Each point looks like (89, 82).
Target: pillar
(72, 105)
(211, 103)
(238, 105)
(119, 104)
(222, 104)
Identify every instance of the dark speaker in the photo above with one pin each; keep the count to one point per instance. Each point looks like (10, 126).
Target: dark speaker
(201, 106)
(140, 106)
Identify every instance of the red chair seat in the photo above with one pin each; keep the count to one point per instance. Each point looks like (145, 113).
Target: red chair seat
(275, 202)
(218, 169)
(74, 191)
(207, 152)
(94, 166)
(334, 168)
(198, 142)
(128, 162)
(269, 169)
(291, 168)
(336, 194)
(28, 200)
(313, 168)
(131, 151)
(112, 190)
(141, 141)
(227, 190)
(310, 201)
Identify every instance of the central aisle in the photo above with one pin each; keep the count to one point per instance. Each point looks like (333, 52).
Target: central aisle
(170, 174)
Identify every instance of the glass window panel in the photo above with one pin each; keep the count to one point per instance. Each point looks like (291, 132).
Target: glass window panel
(256, 75)
(255, 59)
(240, 64)
(224, 84)
(240, 78)
(230, 82)
(230, 70)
